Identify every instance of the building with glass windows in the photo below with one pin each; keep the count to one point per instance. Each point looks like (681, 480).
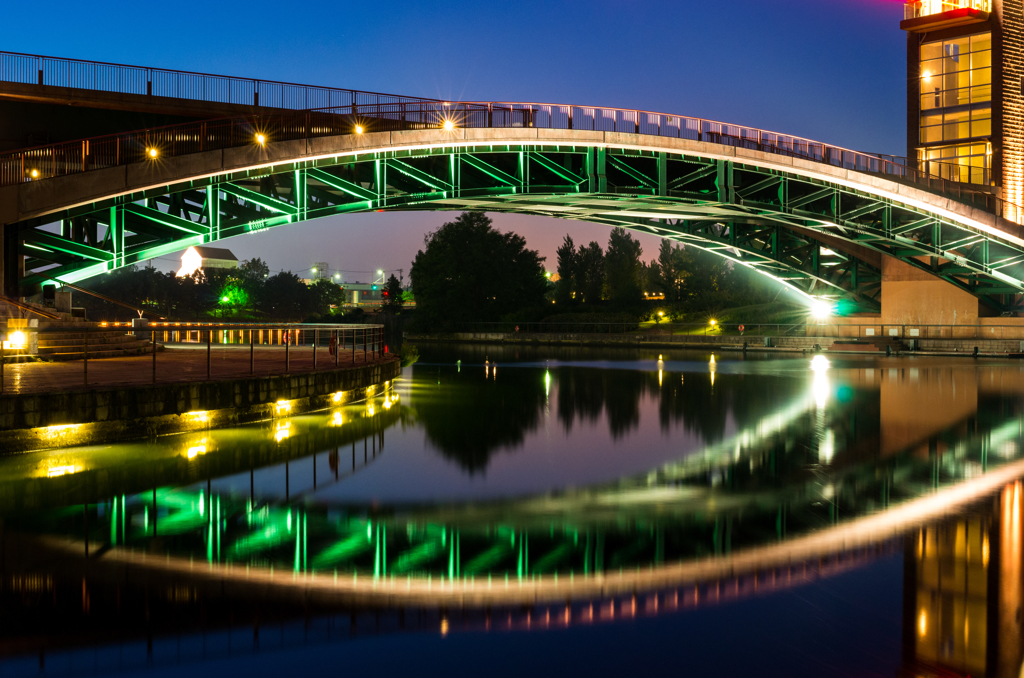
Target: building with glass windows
(965, 109)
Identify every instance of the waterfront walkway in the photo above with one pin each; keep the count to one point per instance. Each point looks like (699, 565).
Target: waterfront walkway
(174, 364)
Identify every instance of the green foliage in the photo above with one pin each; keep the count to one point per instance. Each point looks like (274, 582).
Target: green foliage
(590, 273)
(324, 294)
(623, 269)
(471, 272)
(568, 263)
(392, 296)
(245, 291)
(285, 296)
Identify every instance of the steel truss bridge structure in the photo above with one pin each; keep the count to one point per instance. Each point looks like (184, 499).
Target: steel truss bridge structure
(816, 217)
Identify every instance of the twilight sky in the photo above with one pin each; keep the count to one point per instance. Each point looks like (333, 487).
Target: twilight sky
(829, 70)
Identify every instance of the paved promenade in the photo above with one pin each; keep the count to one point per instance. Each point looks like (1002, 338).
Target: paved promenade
(176, 363)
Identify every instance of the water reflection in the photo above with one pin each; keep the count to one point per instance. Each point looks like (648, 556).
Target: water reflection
(705, 488)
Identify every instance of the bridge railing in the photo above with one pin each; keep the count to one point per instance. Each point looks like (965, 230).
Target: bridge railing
(152, 144)
(207, 350)
(32, 69)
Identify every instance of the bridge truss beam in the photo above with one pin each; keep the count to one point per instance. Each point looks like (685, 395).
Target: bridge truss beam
(820, 238)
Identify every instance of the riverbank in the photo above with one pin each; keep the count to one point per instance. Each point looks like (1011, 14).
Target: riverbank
(59, 418)
(722, 342)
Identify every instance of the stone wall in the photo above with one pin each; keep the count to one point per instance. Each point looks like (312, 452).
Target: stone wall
(39, 421)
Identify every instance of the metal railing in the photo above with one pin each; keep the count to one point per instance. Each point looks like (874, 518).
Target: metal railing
(242, 349)
(150, 145)
(682, 331)
(918, 8)
(33, 69)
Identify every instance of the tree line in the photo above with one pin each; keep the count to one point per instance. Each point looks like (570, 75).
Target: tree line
(246, 292)
(617, 278)
(469, 272)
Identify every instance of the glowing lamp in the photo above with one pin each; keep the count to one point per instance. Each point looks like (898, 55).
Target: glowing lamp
(34, 173)
(261, 139)
(17, 340)
(359, 129)
(449, 125)
(152, 153)
(713, 323)
(821, 309)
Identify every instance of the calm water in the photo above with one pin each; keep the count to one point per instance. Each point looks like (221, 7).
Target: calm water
(773, 515)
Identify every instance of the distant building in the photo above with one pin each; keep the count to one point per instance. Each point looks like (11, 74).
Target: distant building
(363, 293)
(201, 258)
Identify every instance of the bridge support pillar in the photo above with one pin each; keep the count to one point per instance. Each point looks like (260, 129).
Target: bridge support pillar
(911, 296)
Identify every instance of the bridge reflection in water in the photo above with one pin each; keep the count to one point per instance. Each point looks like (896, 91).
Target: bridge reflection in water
(859, 456)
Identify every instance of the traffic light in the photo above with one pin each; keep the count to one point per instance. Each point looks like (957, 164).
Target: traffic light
(384, 293)
(375, 287)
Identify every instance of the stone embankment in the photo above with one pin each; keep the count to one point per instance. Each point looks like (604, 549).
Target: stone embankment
(718, 342)
(58, 418)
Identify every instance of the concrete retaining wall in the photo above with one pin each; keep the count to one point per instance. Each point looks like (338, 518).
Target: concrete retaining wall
(40, 421)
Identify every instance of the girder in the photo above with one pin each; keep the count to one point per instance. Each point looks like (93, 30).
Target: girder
(774, 221)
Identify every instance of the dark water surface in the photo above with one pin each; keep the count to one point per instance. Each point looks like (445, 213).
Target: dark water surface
(790, 515)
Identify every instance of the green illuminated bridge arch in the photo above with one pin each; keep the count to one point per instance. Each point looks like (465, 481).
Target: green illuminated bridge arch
(815, 217)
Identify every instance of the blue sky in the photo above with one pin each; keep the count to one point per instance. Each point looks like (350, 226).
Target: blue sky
(830, 70)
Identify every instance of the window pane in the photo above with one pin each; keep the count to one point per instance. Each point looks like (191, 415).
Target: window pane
(981, 59)
(931, 134)
(955, 49)
(979, 94)
(931, 69)
(980, 42)
(931, 50)
(981, 128)
(981, 76)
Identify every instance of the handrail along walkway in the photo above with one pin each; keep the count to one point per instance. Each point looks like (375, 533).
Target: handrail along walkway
(83, 155)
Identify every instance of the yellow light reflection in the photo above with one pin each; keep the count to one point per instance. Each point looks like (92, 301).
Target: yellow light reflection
(922, 623)
(338, 396)
(370, 411)
(55, 471)
(337, 420)
(284, 430)
(51, 432)
(198, 416)
(195, 451)
(282, 406)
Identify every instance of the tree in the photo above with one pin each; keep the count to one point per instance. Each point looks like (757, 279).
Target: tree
(709, 282)
(672, 275)
(392, 296)
(469, 271)
(567, 264)
(286, 297)
(323, 295)
(252, 274)
(623, 269)
(590, 272)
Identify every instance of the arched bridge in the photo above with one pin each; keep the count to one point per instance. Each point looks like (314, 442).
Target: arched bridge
(814, 216)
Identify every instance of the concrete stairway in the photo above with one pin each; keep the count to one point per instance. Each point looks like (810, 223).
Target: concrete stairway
(65, 340)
